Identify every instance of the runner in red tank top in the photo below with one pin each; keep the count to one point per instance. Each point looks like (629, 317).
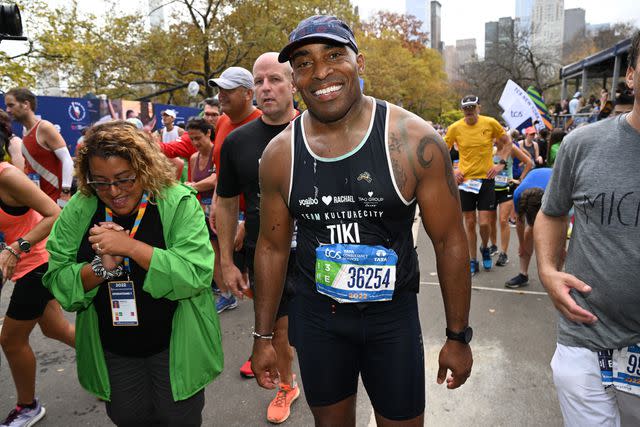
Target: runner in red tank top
(47, 157)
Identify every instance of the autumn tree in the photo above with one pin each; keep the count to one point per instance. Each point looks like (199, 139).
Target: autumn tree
(121, 56)
(400, 68)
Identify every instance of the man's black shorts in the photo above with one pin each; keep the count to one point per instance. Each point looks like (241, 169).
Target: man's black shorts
(503, 196)
(29, 297)
(485, 200)
(381, 341)
(289, 283)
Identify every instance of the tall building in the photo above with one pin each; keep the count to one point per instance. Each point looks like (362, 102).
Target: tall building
(574, 31)
(466, 50)
(547, 24)
(420, 9)
(524, 11)
(436, 27)
(574, 24)
(490, 39)
(497, 35)
(451, 64)
(505, 30)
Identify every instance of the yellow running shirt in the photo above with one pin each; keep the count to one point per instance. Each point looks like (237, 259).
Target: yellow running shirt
(475, 145)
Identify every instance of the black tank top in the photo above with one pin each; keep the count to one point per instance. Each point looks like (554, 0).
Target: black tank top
(351, 199)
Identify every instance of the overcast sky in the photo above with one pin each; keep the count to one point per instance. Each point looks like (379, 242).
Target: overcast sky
(464, 19)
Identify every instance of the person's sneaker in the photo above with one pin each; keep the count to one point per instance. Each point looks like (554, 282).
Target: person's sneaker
(493, 249)
(512, 223)
(226, 303)
(24, 416)
(280, 408)
(475, 267)
(517, 282)
(503, 259)
(487, 263)
(245, 370)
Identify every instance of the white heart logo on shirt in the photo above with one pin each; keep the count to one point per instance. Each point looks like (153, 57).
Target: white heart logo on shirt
(326, 199)
(370, 193)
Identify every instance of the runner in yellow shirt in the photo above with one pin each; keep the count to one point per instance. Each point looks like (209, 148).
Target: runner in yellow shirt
(474, 135)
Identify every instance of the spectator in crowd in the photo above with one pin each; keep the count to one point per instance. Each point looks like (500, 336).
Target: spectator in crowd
(134, 236)
(555, 139)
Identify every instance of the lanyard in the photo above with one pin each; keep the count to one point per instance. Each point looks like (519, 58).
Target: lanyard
(144, 201)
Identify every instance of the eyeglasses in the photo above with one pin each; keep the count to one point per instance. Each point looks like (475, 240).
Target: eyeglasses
(123, 184)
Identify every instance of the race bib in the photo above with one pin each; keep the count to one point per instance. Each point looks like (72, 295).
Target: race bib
(123, 303)
(606, 367)
(356, 273)
(471, 186)
(626, 369)
(502, 180)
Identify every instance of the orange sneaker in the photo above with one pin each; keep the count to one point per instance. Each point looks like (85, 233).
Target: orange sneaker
(245, 369)
(280, 408)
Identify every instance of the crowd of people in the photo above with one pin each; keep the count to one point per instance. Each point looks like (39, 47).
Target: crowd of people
(311, 214)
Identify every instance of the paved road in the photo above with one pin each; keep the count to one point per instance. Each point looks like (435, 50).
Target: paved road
(510, 385)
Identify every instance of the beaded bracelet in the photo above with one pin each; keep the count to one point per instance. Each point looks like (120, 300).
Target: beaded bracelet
(100, 271)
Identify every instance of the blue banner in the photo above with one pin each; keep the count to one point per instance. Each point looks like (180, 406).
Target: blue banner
(72, 115)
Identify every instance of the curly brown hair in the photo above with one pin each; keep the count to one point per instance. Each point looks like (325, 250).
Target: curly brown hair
(124, 140)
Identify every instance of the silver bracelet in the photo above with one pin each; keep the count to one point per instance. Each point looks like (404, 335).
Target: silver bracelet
(11, 251)
(100, 271)
(262, 337)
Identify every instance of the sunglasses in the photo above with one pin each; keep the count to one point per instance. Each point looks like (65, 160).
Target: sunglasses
(123, 184)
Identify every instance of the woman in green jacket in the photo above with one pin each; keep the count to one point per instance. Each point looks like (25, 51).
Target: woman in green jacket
(131, 254)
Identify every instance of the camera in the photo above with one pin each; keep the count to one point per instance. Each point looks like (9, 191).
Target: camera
(10, 23)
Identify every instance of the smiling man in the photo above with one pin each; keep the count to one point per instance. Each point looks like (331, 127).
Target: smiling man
(350, 171)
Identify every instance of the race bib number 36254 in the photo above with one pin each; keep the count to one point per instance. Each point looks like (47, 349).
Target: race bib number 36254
(356, 273)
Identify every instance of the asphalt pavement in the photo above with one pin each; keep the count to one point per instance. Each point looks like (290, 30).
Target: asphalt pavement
(511, 384)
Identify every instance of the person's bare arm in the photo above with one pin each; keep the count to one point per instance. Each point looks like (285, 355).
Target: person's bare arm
(550, 238)
(227, 225)
(423, 160)
(524, 159)
(15, 151)
(272, 252)
(503, 144)
(21, 191)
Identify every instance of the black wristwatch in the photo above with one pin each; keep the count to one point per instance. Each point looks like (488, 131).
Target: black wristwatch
(464, 336)
(65, 190)
(502, 162)
(24, 245)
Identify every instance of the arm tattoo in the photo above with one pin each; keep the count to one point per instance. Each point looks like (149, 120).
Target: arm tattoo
(395, 150)
(423, 145)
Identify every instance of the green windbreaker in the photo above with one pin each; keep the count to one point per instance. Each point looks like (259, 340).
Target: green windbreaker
(182, 273)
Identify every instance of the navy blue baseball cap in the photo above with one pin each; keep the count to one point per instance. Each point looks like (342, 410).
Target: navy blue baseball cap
(318, 28)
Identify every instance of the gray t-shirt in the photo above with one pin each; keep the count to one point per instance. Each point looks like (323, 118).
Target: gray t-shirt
(598, 173)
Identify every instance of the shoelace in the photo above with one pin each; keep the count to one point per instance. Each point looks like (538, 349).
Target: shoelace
(13, 415)
(281, 396)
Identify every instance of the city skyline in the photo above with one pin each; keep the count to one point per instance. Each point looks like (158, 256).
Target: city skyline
(461, 19)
